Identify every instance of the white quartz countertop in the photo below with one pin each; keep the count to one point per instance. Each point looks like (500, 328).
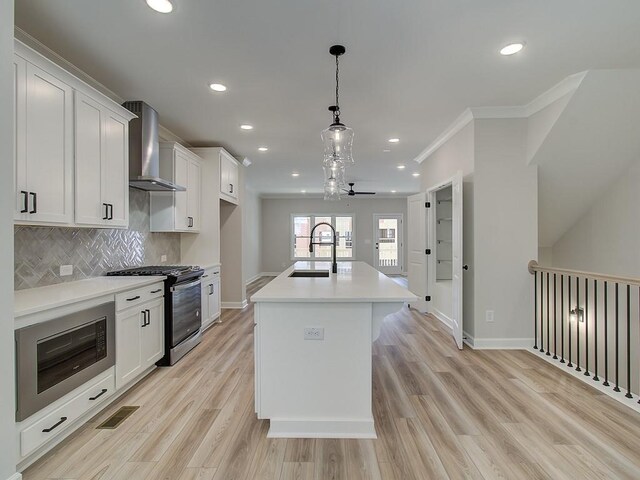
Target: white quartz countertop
(354, 282)
(34, 300)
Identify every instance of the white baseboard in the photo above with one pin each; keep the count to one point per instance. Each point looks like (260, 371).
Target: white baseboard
(313, 428)
(270, 274)
(498, 343)
(234, 305)
(253, 279)
(445, 320)
(619, 396)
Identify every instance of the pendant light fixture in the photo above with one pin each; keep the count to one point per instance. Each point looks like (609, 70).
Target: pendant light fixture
(337, 140)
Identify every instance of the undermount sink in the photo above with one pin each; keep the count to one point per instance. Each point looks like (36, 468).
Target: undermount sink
(310, 273)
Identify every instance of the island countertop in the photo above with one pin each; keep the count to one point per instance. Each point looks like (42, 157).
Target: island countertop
(355, 282)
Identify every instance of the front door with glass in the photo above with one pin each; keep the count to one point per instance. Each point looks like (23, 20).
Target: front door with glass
(388, 244)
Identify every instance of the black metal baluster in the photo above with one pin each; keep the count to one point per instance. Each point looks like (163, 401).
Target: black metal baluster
(628, 394)
(535, 310)
(555, 319)
(562, 318)
(541, 311)
(586, 327)
(595, 327)
(617, 387)
(606, 335)
(548, 302)
(578, 369)
(569, 327)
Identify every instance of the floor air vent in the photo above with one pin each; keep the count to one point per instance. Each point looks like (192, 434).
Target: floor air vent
(117, 418)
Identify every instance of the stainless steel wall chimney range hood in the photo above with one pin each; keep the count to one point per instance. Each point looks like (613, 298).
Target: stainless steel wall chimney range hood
(144, 151)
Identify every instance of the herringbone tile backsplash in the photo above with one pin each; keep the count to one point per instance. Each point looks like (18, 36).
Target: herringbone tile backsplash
(39, 251)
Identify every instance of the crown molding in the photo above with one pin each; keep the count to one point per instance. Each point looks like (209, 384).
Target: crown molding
(567, 86)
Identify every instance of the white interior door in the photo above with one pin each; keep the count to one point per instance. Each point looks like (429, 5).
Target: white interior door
(388, 243)
(456, 257)
(416, 243)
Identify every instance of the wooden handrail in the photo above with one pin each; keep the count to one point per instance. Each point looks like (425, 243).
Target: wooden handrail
(534, 267)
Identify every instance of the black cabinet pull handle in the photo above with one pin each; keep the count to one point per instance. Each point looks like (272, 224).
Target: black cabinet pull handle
(148, 316)
(110, 211)
(62, 420)
(106, 211)
(231, 188)
(35, 202)
(25, 201)
(133, 298)
(102, 392)
(144, 318)
(156, 291)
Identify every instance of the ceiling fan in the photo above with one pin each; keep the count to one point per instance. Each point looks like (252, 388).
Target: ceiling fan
(351, 193)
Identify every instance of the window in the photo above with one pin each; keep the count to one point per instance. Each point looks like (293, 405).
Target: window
(301, 225)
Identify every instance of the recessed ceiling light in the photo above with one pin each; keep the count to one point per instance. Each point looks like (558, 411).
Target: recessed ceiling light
(162, 6)
(415, 174)
(303, 191)
(295, 174)
(246, 126)
(263, 149)
(386, 150)
(511, 49)
(401, 167)
(218, 87)
(393, 191)
(394, 140)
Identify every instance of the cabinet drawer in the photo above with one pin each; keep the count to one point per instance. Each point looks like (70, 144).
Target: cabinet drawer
(210, 274)
(62, 417)
(133, 298)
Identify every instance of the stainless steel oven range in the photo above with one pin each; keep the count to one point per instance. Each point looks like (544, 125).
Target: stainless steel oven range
(57, 356)
(182, 307)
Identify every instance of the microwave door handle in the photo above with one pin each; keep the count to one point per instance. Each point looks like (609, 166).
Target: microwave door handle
(184, 286)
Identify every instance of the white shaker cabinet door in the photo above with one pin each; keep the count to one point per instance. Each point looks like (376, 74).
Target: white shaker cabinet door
(152, 337)
(181, 177)
(115, 169)
(128, 339)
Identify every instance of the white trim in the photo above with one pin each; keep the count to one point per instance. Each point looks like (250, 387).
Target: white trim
(270, 274)
(444, 319)
(619, 396)
(333, 216)
(498, 343)
(399, 240)
(568, 85)
(234, 305)
(15, 476)
(321, 428)
(253, 279)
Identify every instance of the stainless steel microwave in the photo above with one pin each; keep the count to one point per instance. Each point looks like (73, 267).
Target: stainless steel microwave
(55, 357)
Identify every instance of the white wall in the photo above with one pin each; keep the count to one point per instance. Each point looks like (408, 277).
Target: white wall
(8, 446)
(252, 233)
(606, 239)
(276, 228)
(506, 229)
(457, 154)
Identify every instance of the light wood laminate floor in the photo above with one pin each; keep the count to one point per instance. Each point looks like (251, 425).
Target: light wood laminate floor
(439, 413)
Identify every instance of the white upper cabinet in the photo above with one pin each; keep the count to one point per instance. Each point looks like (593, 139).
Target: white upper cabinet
(44, 146)
(229, 184)
(67, 148)
(177, 211)
(101, 165)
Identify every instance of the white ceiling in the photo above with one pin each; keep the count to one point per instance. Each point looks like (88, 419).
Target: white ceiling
(411, 68)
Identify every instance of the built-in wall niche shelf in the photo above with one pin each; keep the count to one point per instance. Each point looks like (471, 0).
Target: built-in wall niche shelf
(444, 234)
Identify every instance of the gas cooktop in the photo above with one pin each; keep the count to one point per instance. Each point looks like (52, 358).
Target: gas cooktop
(166, 270)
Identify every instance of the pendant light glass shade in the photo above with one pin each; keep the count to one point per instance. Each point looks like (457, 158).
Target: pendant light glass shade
(331, 190)
(338, 142)
(335, 172)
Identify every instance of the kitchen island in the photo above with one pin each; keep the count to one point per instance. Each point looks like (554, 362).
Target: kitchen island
(313, 359)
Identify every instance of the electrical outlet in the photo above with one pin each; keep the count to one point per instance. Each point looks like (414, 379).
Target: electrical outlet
(313, 333)
(489, 316)
(163, 258)
(66, 270)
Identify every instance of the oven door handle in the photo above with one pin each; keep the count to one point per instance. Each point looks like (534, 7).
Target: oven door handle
(185, 285)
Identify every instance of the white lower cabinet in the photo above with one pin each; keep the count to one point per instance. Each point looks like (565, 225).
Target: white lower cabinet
(139, 333)
(49, 424)
(210, 296)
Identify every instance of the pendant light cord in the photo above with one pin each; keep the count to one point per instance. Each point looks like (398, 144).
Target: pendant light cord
(336, 114)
